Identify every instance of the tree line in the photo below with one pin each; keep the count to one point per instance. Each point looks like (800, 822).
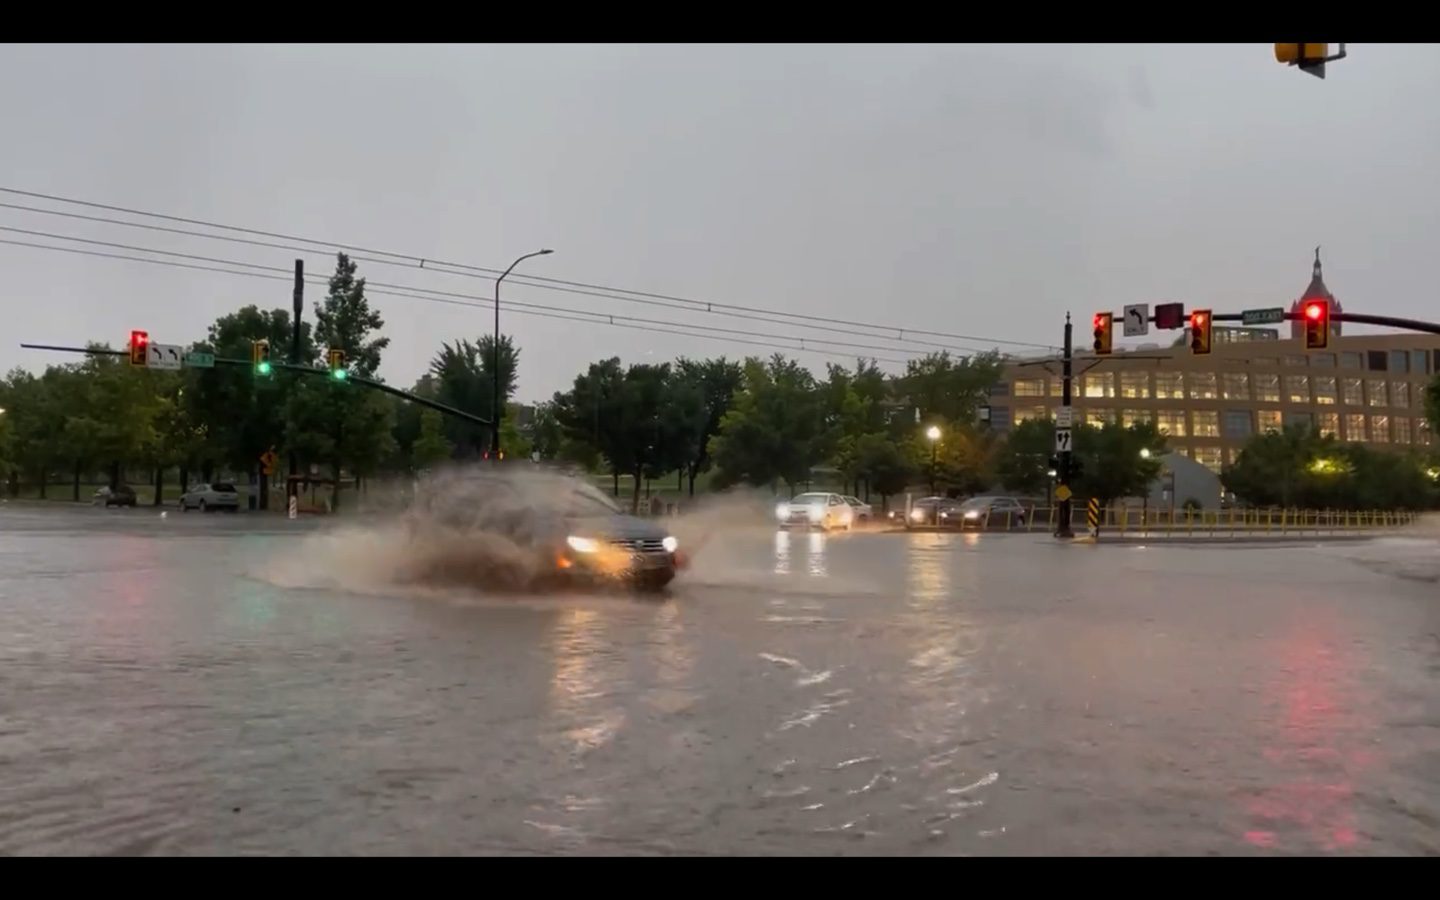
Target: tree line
(762, 422)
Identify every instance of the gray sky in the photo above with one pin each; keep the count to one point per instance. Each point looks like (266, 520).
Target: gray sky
(974, 189)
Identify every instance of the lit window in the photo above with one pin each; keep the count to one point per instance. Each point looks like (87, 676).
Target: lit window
(1380, 429)
(1352, 392)
(1057, 387)
(1025, 413)
(1400, 394)
(1135, 385)
(1378, 396)
(1206, 423)
(1099, 417)
(1355, 427)
(1100, 384)
(1237, 386)
(1030, 387)
(1169, 385)
(1329, 424)
(1269, 420)
(1132, 417)
(1209, 457)
(1202, 386)
(1171, 422)
(1297, 388)
(1422, 432)
(1402, 430)
(1325, 390)
(1267, 387)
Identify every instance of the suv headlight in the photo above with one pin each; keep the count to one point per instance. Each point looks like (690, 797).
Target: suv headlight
(582, 544)
(782, 511)
(670, 544)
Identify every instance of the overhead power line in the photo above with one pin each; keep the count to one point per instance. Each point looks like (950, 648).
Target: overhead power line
(430, 264)
(454, 297)
(277, 273)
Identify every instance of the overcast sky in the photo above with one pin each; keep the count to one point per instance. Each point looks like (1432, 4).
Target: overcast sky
(982, 190)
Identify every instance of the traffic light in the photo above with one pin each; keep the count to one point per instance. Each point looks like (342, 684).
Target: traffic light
(1104, 330)
(139, 341)
(1316, 314)
(1310, 58)
(1169, 316)
(336, 359)
(1200, 331)
(260, 356)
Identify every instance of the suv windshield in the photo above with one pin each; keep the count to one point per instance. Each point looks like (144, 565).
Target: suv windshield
(223, 487)
(810, 499)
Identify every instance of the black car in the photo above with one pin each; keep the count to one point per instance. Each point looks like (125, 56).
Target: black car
(565, 531)
(122, 495)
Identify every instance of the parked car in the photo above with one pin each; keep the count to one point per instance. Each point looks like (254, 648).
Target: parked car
(930, 511)
(122, 495)
(205, 497)
(989, 514)
(816, 510)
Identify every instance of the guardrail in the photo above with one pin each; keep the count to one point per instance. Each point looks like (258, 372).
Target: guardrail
(1212, 522)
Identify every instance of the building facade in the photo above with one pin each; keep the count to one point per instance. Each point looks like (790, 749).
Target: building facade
(1364, 388)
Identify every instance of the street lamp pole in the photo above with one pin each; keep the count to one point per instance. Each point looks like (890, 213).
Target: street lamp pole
(496, 413)
(933, 433)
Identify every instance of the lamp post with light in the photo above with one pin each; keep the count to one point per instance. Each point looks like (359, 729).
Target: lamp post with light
(933, 433)
(496, 413)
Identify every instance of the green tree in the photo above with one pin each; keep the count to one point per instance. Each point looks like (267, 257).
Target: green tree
(887, 467)
(431, 447)
(592, 417)
(949, 389)
(1432, 406)
(717, 380)
(1271, 468)
(776, 430)
(463, 373)
(1112, 463)
(345, 321)
(1023, 462)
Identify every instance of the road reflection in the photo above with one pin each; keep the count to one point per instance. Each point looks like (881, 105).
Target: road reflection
(812, 558)
(586, 676)
(1315, 747)
(942, 637)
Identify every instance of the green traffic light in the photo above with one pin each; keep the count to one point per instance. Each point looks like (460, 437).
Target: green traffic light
(263, 368)
(338, 374)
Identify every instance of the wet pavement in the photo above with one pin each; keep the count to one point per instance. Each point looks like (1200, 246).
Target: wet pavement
(239, 685)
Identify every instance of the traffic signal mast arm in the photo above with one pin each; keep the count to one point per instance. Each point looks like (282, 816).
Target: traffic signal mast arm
(305, 370)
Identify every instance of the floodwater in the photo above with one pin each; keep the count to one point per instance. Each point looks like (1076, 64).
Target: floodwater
(245, 685)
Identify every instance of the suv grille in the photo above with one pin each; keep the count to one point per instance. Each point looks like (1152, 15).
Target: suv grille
(648, 545)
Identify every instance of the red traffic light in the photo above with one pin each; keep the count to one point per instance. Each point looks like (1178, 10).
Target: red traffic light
(1317, 324)
(138, 342)
(1313, 311)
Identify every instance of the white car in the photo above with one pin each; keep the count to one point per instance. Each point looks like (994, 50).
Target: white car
(864, 512)
(816, 510)
(205, 497)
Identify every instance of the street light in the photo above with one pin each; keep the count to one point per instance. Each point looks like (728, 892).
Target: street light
(496, 414)
(933, 433)
(1144, 452)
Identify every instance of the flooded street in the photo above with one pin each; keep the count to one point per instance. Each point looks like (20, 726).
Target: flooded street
(172, 687)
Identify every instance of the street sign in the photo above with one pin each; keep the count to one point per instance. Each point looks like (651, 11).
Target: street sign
(1062, 439)
(1064, 417)
(1137, 319)
(1169, 316)
(164, 356)
(199, 359)
(1263, 316)
(1063, 493)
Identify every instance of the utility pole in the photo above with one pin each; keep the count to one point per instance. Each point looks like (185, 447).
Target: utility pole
(299, 300)
(1062, 475)
(496, 413)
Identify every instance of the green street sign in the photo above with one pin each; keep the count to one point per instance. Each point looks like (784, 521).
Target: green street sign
(200, 360)
(1263, 316)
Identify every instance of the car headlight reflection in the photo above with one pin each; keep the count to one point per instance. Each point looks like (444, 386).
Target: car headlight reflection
(582, 544)
(670, 544)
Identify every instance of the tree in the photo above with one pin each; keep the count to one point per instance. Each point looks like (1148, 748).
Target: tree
(717, 380)
(776, 429)
(345, 321)
(463, 378)
(1111, 461)
(592, 416)
(431, 447)
(1023, 462)
(1298, 467)
(949, 389)
(886, 466)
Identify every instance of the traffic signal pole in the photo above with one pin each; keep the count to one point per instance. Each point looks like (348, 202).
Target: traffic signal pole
(1062, 474)
(299, 300)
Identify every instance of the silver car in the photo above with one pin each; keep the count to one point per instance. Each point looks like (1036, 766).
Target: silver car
(205, 497)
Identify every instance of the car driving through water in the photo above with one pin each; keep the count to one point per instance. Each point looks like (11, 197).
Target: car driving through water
(556, 531)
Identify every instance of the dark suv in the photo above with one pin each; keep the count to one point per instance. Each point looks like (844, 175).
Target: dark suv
(123, 495)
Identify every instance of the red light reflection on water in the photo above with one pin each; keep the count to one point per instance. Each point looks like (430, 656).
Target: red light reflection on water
(1316, 750)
